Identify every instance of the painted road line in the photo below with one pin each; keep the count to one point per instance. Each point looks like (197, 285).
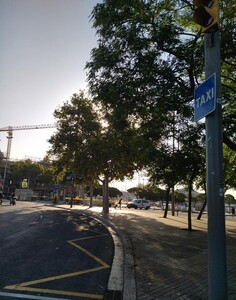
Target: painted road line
(72, 242)
(58, 277)
(25, 296)
(59, 292)
(27, 286)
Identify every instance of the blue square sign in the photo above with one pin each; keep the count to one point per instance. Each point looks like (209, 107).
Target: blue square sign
(205, 98)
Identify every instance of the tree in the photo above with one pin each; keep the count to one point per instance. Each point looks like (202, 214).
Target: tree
(165, 169)
(229, 199)
(86, 144)
(140, 64)
(113, 192)
(77, 127)
(228, 47)
(150, 192)
(38, 174)
(193, 159)
(148, 61)
(141, 67)
(115, 158)
(229, 157)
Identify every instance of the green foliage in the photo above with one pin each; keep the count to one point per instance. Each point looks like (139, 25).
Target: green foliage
(148, 192)
(228, 49)
(200, 197)
(148, 61)
(229, 199)
(153, 193)
(113, 192)
(39, 174)
(139, 70)
(88, 145)
(229, 168)
(77, 128)
(179, 197)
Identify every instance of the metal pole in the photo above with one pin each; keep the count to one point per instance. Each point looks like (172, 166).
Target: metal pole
(9, 137)
(217, 273)
(72, 192)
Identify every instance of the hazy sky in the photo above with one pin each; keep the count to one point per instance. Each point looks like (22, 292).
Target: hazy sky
(44, 47)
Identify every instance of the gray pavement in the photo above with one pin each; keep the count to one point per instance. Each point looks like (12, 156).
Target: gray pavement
(163, 260)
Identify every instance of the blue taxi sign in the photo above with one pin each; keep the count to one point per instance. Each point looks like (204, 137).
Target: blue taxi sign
(205, 98)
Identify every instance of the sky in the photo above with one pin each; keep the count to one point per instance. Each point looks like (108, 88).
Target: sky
(45, 45)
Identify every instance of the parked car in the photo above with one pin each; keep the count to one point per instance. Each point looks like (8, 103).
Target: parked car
(139, 203)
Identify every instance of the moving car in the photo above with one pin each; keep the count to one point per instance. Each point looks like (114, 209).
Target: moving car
(139, 203)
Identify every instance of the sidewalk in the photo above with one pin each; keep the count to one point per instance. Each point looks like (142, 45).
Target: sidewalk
(169, 262)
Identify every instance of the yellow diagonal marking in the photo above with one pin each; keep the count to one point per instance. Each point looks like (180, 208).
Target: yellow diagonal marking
(24, 286)
(89, 254)
(90, 237)
(100, 233)
(43, 280)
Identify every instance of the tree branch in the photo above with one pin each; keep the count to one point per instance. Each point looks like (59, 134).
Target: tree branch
(228, 142)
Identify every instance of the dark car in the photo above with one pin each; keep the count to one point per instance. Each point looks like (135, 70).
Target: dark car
(139, 203)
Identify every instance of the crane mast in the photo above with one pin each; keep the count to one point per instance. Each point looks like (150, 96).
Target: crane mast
(9, 130)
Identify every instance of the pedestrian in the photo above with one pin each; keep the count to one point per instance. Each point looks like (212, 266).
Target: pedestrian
(12, 198)
(233, 210)
(1, 197)
(54, 201)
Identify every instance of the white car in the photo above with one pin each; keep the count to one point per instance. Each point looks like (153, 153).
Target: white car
(139, 203)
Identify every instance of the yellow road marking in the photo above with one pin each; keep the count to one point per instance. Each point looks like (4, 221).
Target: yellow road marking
(100, 233)
(89, 254)
(43, 280)
(25, 286)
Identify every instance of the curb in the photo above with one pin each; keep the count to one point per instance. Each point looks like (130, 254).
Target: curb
(129, 285)
(122, 276)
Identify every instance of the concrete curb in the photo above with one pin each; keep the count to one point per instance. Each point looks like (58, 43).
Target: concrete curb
(129, 291)
(129, 285)
(122, 276)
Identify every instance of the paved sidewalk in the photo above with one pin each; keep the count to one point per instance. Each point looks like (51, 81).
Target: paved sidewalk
(169, 262)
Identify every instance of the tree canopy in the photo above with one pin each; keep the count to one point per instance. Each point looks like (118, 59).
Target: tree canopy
(142, 77)
(149, 59)
(87, 145)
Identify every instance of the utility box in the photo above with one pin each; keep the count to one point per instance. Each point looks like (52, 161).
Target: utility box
(24, 194)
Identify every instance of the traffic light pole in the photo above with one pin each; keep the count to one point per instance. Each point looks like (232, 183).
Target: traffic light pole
(217, 273)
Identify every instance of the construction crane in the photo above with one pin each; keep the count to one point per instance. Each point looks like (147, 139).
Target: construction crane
(10, 130)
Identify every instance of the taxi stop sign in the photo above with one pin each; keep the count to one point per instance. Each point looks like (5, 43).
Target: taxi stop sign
(24, 184)
(205, 98)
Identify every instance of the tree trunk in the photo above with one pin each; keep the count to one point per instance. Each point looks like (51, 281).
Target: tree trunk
(167, 202)
(91, 195)
(190, 206)
(202, 209)
(105, 195)
(203, 206)
(173, 201)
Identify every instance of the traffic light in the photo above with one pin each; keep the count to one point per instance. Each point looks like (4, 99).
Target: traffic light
(207, 14)
(68, 176)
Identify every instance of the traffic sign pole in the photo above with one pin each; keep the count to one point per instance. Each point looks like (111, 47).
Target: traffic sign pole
(217, 273)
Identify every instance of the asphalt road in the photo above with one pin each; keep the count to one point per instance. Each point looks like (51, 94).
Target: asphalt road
(47, 251)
